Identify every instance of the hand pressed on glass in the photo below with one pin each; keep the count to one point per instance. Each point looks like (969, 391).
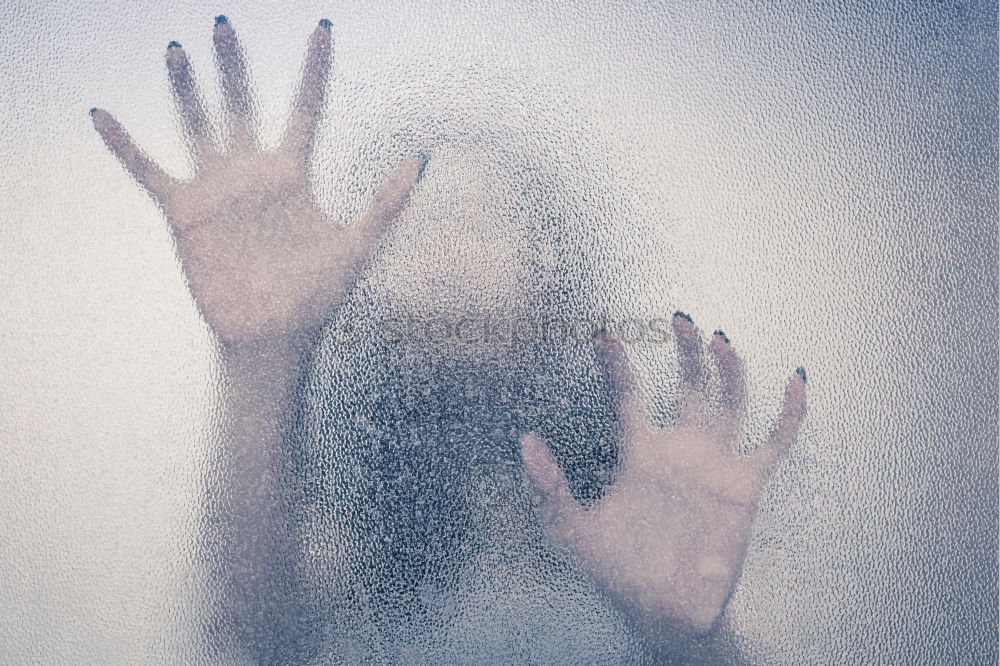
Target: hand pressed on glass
(667, 541)
(260, 258)
(265, 269)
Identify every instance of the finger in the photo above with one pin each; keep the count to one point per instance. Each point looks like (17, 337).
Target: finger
(544, 471)
(233, 74)
(732, 381)
(136, 162)
(308, 105)
(793, 412)
(197, 129)
(692, 365)
(624, 385)
(386, 206)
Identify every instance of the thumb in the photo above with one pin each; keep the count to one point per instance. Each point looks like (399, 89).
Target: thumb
(548, 478)
(388, 203)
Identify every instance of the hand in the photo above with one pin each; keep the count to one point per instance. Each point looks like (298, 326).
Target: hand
(667, 540)
(260, 258)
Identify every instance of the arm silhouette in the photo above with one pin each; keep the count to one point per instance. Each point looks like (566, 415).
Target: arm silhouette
(265, 268)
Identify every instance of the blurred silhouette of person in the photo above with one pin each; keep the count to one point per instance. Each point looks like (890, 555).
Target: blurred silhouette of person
(266, 268)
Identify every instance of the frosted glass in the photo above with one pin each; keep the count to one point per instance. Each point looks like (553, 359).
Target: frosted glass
(820, 182)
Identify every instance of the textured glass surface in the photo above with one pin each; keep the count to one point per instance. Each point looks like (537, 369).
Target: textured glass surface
(817, 180)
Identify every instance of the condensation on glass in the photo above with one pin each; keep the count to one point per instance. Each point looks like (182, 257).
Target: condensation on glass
(819, 182)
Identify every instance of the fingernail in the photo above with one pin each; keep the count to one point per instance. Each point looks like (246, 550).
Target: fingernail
(93, 111)
(801, 372)
(324, 23)
(221, 18)
(723, 336)
(684, 315)
(174, 45)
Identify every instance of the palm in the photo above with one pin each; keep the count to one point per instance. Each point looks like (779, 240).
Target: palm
(667, 539)
(258, 255)
(260, 258)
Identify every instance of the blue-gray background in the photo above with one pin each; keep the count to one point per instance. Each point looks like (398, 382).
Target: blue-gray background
(819, 181)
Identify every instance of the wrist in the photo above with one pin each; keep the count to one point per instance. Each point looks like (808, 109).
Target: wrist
(261, 376)
(265, 355)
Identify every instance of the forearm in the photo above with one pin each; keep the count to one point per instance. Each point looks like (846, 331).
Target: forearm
(250, 537)
(260, 381)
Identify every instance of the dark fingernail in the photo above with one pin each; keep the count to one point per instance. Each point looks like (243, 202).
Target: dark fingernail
(174, 45)
(684, 315)
(801, 372)
(93, 111)
(324, 23)
(723, 336)
(221, 18)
